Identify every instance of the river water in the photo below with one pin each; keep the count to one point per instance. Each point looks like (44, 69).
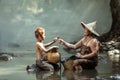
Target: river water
(15, 69)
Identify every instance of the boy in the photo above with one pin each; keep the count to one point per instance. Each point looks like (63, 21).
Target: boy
(41, 50)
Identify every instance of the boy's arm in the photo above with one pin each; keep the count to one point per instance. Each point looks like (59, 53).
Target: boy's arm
(50, 43)
(40, 45)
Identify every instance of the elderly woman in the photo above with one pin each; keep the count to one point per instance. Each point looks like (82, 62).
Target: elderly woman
(87, 58)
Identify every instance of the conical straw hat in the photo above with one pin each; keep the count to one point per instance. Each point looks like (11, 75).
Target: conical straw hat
(91, 27)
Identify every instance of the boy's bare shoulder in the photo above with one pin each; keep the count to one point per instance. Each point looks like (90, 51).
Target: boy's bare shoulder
(39, 44)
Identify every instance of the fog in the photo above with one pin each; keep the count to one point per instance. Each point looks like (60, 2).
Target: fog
(19, 18)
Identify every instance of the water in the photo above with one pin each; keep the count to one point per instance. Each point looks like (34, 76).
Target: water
(16, 70)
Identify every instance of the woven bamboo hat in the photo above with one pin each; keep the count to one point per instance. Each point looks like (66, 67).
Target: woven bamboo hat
(91, 27)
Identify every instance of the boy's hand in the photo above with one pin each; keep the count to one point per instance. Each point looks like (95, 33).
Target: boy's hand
(55, 39)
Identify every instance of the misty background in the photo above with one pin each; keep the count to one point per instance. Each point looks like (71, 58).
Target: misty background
(19, 18)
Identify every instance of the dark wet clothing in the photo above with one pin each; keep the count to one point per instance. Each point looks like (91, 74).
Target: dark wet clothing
(44, 65)
(47, 66)
(90, 63)
(86, 50)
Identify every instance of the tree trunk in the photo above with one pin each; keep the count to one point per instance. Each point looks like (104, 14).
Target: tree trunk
(115, 27)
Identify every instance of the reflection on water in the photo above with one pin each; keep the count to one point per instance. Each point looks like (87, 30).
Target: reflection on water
(116, 67)
(84, 75)
(110, 71)
(15, 70)
(67, 75)
(48, 76)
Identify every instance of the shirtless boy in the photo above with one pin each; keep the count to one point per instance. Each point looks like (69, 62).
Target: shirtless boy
(41, 49)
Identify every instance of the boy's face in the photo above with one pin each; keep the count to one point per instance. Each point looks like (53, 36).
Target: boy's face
(42, 36)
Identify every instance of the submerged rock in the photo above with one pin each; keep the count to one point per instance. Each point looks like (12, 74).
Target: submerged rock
(117, 77)
(118, 39)
(113, 52)
(6, 56)
(102, 59)
(117, 45)
(114, 55)
(111, 45)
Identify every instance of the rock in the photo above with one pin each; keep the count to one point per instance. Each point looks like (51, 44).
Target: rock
(109, 46)
(116, 77)
(10, 54)
(118, 39)
(111, 42)
(6, 56)
(117, 56)
(99, 78)
(117, 45)
(115, 51)
(114, 55)
(102, 59)
(104, 48)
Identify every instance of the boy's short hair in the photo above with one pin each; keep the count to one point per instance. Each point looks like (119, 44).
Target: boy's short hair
(39, 31)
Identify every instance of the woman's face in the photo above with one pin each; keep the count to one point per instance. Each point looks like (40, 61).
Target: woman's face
(86, 32)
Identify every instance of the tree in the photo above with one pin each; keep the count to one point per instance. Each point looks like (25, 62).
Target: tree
(115, 27)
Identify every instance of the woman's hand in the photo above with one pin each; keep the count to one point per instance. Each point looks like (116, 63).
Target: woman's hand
(61, 41)
(78, 55)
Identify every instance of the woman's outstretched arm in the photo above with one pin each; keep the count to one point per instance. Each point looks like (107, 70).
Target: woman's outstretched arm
(73, 46)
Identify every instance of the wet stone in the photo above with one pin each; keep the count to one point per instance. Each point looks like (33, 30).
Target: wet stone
(116, 77)
(102, 59)
(118, 39)
(6, 56)
(117, 45)
(111, 45)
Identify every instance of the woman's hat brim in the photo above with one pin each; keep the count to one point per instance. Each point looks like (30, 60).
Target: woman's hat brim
(90, 29)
